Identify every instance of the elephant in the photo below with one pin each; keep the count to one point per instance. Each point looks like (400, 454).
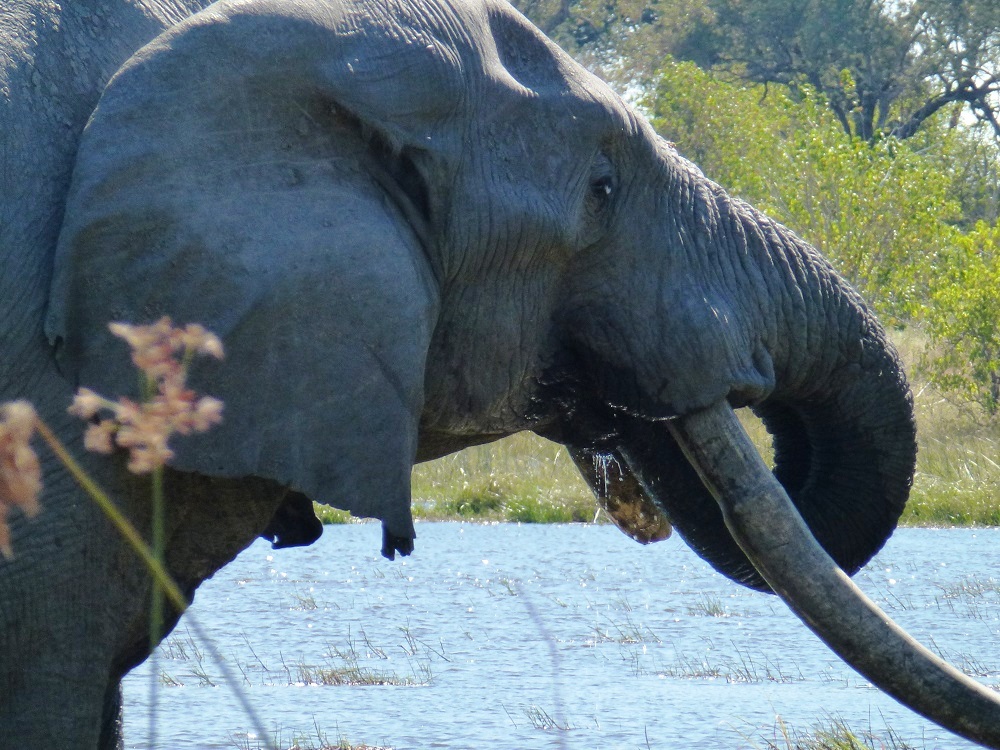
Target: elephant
(417, 226)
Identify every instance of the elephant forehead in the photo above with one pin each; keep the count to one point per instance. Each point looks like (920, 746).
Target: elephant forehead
(531, 59)
(409, 67)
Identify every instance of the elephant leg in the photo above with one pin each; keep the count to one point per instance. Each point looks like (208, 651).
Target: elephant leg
(61, 699)
(70, 631)
(63, 600)
(112, 725)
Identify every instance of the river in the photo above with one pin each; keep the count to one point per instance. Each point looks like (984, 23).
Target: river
(528, 636)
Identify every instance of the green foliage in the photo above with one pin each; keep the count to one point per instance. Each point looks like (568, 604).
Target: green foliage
(331, 516)
(523, 479)
(875, 210)
(624, 40)
(851, 50)
(885, 67)
(974, 162)
(962, 317)
(887, 214)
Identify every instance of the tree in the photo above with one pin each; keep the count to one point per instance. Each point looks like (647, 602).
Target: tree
(880, 212)
(623, 40)
(885, 66)
(959, 55)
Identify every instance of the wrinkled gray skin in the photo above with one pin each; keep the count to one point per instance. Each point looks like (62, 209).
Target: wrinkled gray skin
(417, 226)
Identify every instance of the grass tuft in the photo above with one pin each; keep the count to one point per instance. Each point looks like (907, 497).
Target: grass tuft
(833, 736)
(540, 719)
(316, 739)
(351, 674)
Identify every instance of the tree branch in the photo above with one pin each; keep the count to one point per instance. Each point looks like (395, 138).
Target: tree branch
(967, 91)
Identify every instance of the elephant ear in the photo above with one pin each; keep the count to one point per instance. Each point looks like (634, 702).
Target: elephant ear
(266, 176)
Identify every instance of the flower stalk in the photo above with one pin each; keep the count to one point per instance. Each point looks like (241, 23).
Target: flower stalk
(117, 518)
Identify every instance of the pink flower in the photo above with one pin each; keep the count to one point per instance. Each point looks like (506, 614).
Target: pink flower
(207, 412)
(145, 428)
(197, 339)
(86, 404)
(154, 346)
(20, 472)
(98, 437)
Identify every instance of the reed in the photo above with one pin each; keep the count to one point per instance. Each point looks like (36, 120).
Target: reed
(317, 739)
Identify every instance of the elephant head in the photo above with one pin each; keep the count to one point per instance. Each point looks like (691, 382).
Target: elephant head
(420, 226)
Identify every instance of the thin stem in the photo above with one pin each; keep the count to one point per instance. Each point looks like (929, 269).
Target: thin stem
(159, 552)
(118, 520)
(156, 606)
(230, 679)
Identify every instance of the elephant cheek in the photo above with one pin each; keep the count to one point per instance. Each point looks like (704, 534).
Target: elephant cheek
(661, 368)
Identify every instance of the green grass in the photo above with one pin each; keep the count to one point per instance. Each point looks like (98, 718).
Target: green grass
(521, 479)
(958, 464)
(331, 516)
(525, 479)
(834, 735)
(958, 477)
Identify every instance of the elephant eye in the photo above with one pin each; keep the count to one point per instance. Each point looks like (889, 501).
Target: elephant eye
(602, 187)
(602, 183)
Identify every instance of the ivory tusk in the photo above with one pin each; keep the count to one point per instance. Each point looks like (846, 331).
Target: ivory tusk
(766, 525)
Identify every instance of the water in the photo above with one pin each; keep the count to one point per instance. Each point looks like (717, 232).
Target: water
(514, 636)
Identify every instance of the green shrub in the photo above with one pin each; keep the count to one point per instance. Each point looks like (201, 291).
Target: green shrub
(877, 212)
(962, 317)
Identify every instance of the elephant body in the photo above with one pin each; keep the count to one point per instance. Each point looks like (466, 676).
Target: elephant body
(59, 600)
(417, 225)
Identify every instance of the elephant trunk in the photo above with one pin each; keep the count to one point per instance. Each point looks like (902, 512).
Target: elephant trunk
(845, 453)
(840, 414)
(759, 516)
(841, 419)
(731, 305)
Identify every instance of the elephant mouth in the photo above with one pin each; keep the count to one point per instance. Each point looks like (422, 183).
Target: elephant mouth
(848, 482)
(844, 446)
